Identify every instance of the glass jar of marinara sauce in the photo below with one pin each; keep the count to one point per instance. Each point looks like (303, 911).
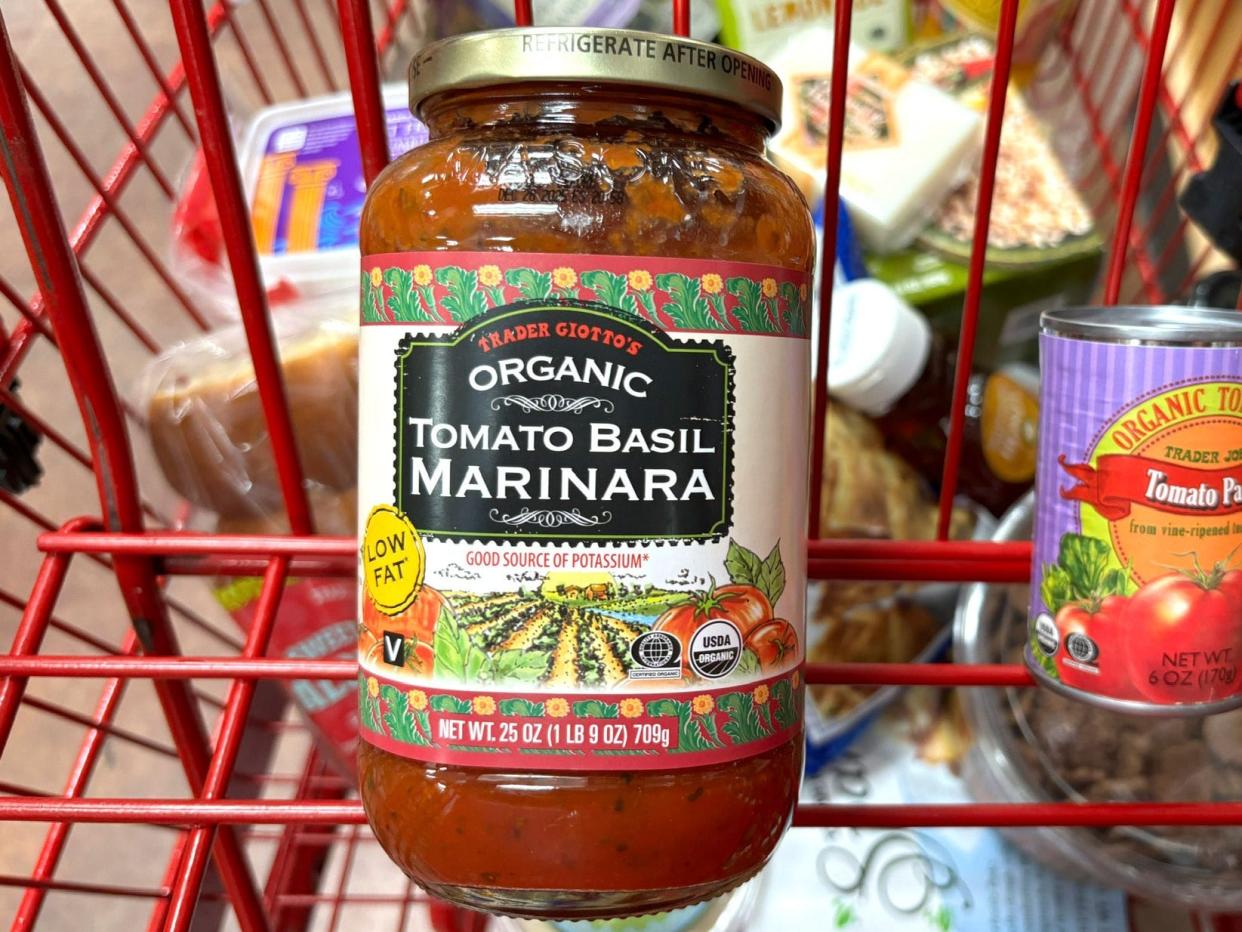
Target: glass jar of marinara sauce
(584, 414)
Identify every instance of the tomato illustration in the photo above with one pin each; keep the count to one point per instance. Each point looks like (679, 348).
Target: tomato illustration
(775, 644)
(1104, 628)
(1183, 637)
(744, 606)
(417, 624)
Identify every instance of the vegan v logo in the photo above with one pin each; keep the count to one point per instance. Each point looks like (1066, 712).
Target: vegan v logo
(394, 649)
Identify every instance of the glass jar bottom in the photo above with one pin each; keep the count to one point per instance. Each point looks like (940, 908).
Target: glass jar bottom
(583, 904)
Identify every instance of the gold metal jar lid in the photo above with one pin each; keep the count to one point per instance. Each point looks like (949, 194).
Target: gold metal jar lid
(595, 56)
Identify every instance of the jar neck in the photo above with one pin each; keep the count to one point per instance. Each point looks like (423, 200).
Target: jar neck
(600, 110)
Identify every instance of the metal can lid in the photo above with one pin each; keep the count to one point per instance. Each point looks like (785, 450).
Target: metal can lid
(595, 56)
(1157, 325)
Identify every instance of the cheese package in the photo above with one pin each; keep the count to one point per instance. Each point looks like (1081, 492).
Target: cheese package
(907, 144)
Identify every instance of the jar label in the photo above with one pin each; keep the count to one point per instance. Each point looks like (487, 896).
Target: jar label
(1137, 595)
(584, 488)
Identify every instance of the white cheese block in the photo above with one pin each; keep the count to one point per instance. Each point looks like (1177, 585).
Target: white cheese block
(907, 144)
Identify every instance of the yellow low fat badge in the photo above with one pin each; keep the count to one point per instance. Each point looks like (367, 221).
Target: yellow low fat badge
(393, 560)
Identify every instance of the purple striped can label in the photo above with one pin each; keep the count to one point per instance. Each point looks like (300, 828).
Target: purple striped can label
(1136, 595)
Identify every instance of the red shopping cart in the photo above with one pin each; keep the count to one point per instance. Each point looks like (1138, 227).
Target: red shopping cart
(240, 813)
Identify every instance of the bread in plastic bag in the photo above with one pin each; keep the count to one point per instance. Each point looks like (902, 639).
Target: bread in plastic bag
(206, 422)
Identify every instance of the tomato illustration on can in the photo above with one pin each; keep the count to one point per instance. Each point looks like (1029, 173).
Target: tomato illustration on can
(1137, 566)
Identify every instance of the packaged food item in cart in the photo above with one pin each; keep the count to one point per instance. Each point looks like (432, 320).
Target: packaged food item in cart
(906, 145)
(886, 361)
(450, 17)
(871, 493)
(1043, 249)
(317, 620)
(583, 484)
(1009, 305)
(1035, 745)
(1037, 24)
(302, 170)
(1136, 599)
(763, 27)
(206, 423)
(1038, 218)
(914, 880)
(901, 629)
(868, 491)
(890, 631)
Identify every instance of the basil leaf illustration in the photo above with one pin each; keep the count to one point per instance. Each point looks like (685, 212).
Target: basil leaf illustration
(743, 565)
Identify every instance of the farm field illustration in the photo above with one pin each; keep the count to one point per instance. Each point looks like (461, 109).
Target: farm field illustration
(577, 629)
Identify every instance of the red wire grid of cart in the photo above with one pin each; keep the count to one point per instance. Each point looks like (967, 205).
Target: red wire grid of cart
(249, 820)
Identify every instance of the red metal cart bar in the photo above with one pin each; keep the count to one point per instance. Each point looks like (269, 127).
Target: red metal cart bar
(986, 561)
(194, 39)
(63, 626)
(20, 305)
(1176, 240)
(123, 735)
(228, 668)
(997, 92)
(1136, 157)
(827, 256)
(951, 815)
(293, 864)
(232, 723)
(55, 268)
(75, 786)
(397, 10)
(337, 899)
(41, 886)
(312, 39)
(29, 635)
(278, 39)
(897, 568)
(14, 404)
(144, 248)
(248, 58)
(364, 84)
(681, 17)
(108, 95)
(153, 66)
(117, 179)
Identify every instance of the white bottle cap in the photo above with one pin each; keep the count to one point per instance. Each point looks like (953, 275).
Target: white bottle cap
(878, 346)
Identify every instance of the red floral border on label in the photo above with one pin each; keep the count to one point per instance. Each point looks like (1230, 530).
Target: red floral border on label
(579, 731)
(690, 295)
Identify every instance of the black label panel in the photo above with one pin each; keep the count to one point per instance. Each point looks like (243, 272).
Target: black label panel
(564, 421)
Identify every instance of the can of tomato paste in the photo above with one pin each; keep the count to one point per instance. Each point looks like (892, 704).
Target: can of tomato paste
(1136, 595)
